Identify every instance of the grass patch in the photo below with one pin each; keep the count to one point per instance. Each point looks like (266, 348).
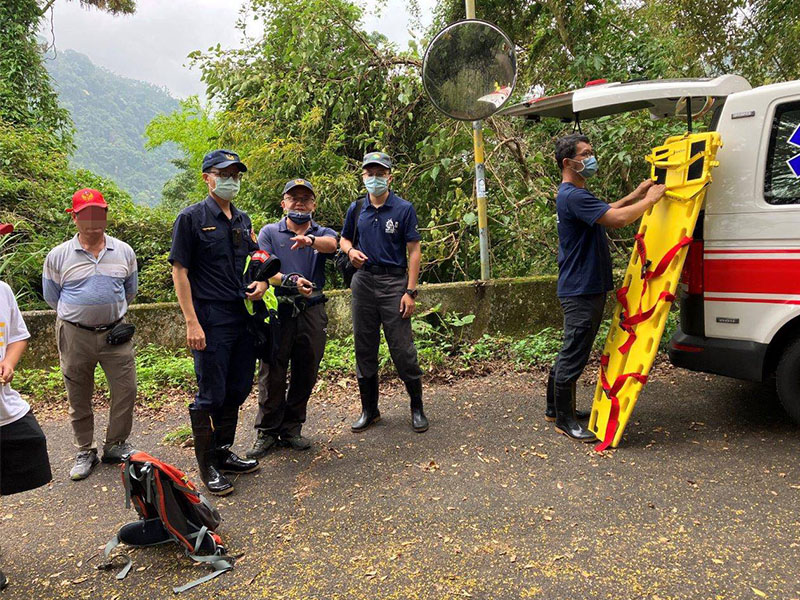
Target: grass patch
(179, 436)
(158, 371)
(442, 344)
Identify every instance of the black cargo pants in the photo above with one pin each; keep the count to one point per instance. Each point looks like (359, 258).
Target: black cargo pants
(301, 344)
(582, 318)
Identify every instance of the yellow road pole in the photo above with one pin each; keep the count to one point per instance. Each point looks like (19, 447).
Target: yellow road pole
(480, 179)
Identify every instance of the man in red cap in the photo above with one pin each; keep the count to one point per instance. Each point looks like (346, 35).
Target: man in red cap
(90, 281)
(23, 448)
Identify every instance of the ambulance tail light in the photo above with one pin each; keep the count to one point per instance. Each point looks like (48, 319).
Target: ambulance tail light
(692, 275)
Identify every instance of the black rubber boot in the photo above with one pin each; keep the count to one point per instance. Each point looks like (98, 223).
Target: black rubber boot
(419, 422)
(3, 581)
(368, 389)
(566, 422)
(225, 421)
(206, 452)
(550, 411)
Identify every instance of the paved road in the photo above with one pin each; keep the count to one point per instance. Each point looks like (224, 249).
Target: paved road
(702, 500)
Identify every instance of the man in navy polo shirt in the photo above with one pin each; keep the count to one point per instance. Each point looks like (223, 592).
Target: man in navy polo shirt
(302, 247)
(211, 241)
(387, 257)
(584, 271)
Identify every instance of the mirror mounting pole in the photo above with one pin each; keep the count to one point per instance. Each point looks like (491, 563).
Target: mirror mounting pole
(689, 113)
(480, 179)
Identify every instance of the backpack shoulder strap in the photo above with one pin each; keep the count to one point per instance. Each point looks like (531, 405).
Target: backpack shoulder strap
(357, 215)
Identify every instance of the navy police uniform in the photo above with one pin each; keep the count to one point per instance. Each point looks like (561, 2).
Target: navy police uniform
(302, 327)
(214, 250)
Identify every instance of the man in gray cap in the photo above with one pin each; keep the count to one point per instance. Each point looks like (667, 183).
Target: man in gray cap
(302, 247)
(381, 240)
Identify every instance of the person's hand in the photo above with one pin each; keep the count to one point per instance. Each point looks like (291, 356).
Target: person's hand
(655, 193)
(300, 241)
(357, 257)
(195, 336)
(304, 286)
(6, 373)
(256, 290)
(407, 306)
(642, 188)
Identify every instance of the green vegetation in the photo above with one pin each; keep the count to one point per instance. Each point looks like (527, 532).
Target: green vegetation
(110, 114)
(178, 436)
(159, 372)
(442, 341)
(315, 91)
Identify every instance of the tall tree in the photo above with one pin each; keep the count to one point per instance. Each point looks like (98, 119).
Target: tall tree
(27, 97)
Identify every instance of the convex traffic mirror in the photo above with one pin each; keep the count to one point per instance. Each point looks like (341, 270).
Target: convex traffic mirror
(469, 70)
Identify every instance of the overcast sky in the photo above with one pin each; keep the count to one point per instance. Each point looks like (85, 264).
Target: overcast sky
(152, 44)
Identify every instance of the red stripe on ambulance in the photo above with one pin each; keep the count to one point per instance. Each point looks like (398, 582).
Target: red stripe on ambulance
(752, 276)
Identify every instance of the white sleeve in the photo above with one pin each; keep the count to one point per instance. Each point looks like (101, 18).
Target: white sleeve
(17, 330)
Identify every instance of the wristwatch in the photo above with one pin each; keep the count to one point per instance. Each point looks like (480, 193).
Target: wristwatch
(412, 293)
(313, 239)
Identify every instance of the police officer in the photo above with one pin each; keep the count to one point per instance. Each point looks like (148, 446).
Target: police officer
(387, 257)
(584, 271)
(211, 241)
(302, 247)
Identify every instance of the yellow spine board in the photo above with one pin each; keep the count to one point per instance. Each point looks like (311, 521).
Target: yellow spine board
(684, 164)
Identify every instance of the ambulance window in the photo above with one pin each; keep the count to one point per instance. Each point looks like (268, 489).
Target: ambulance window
(782, 179)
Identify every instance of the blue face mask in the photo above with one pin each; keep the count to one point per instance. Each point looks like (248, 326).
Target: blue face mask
(299, 217)
(590, 167)
(376, 186)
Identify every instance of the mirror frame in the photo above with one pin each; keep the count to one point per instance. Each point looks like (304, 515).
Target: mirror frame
(442, 33)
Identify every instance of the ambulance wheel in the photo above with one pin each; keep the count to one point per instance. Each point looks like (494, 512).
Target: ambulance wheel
(788, 380)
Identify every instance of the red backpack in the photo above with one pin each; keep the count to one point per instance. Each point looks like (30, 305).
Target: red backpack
(171, 510)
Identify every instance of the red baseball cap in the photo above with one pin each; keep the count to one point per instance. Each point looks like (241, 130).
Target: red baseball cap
(6, 228)
(86, 197)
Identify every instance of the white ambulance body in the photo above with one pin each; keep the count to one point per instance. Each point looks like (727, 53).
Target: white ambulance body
(740, 288)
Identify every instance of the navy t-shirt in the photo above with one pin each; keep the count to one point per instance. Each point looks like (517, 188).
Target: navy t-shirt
(214, 249)
(584, 262)
(275, 238)
(383, 232)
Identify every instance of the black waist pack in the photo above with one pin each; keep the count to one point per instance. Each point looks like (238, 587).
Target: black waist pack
(120, 334)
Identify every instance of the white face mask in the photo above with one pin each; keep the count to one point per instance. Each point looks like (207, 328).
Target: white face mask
(226, 187)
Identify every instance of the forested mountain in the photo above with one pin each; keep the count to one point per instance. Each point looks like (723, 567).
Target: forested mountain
(110, 115)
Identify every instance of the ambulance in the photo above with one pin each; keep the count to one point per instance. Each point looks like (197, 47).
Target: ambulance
(740, 285)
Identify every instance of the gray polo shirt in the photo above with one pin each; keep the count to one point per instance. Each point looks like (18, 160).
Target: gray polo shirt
(88, 290)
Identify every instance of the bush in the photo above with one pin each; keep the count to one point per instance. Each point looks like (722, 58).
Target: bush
(159, 371)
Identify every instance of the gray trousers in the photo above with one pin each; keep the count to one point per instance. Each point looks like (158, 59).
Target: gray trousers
(582, 318)
(376, 302)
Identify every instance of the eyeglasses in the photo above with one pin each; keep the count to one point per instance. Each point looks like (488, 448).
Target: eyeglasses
(292, 200)
(585, 154)
(235, 176)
